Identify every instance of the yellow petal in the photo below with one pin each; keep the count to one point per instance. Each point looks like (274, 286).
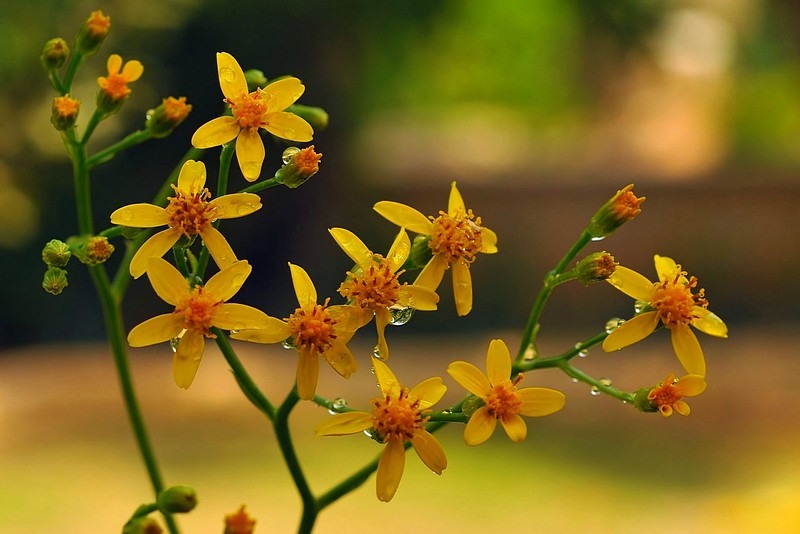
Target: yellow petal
(455, 204)
(470, 378)
(709, 323)
(665, 267)
(140, 216)
(430, 451)
(218, 247)
(390, 470)
(345, 423)
(167, 281)
(386, 380)
(462, 287)
(633, 330)
(341, 359)
(691, 385)
(283, 93)
(382, 318)
(231, 77)
(228, 281)
(428, 392)
(192, 178)
(688, 350)
(399, 251)
(480, 427)
(288, 126)
(155, 247)
(307, 373)
(187, 358)
(537, 402)
(404, 216)
(114, 63)
(235, 205)
(303, 286)
(273, 331)
(231, 316)
(515, 427)
(155, 330)
(216, 132)
(349, 318)
(488, 241)
(432, 274)
(418, 297)
(250, 153)
(352, 246)
(132, 70)
(681, 407)
(632, 283)
(665, 409)
(498, 362)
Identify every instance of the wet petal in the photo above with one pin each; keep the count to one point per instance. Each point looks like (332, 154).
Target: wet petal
(480, 427)
(231, 77)
(632, 283)
(250, 153)
(386, 380)
(341, 359)
(488, 241)
(537, 402)
(307, 373)
(432, 274)
(167, 281)
(155, 247)
(187, 358)
(688, 350)
(283, 93)
(192, 178)
(156, 330)
(382, 318)
(140, 216)
(470, 378)
(498, 362)
(399, 251)
(635, 329)
(665, 267)
(235, 205)
(349, 318)
(418, 297)
(691, 385)
(515, 427)
(709, 323)
(231, 316)
(455, 204)
(218, 247)
(352, 246)
(462, 287)
(228, 281)
(303, 286)
(288, 126)
(404, 216)
(430, 451)
(428, 392)
(345, 423)
(273, 331)
(216, 132)
(390, 470)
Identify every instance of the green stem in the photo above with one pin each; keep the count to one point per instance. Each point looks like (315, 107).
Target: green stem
(576, 373)
(94, 120)
(555, 361)
(55, 81)
(75, 62)
(107, 154)
(260, 186)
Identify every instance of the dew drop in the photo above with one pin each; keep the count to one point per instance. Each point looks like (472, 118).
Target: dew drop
(400, 315)
(239, 326)
(337, 405)
(376, 351)
(575, 380)
(605, 381)
(288, 133)
(581, 353)
(289, 153)
(227, 74)
(239, 279)
(614, 323)
(598, 238)
(595, 391)
(127, 214)
(173, 343)
(246, 208)
(288, 344)
(529, 354)
(251, 168)
(639, 306)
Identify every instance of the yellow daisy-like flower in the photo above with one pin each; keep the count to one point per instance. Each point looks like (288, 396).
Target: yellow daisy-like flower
(398, 415)
(189, 214)
(374, 285)
(456, 237)
(197, 309)
(263, 108)
(671, 301)
(115, 85)
(501, 397)
(315, 329)
(667, 395)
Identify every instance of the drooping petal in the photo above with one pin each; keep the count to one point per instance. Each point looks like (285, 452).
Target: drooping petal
(709, 323)
(231, 76)
(132, 70)
(470, 378)
(666, 268)
(352, 246)
(232, 316)
(303, 286)
(480, 427)
(283, 93)
(537, 402)
(455, 204)
(345, 423)
(687, 349)
(155, 330)
(192, 178)
(631, 283)
(418, 297)
(390, 470)
(382, 318)
(681, 407)
(430, 451)
(341, 359)
(386, 380)
(307, 373)
(691, 385)
(226, 283)
(155, 247)
(167, 281)
(216, 132)
(432, 274)
(250, 153)
(218, 247)
(273, 331)
(235, 205)
(462, 287)
(428, 392)
(635, 329)
(187, 358)
(404, 216)
(498, 362)
(399, 251)
(140, 216)
(488, 241)
(515, 427)
(288, 126)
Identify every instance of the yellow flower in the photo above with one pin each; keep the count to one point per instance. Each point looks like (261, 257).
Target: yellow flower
(374, 285)
(398, 415)
(189, 214)
(456, 237)
(239, 523)
(115, 85)
(314, 329)
(197, 309)
(501, 397)
(263, 108)
(667, 395)
(671, 301)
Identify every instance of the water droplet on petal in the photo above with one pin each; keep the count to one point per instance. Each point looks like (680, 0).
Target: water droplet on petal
(228, 74)
(377, 353)
(246, 208)
(288, 133)
(251, 168)
(400, 315)
(173, 343)
(127, 214)
(289, 153)
(639, 306)
(239, 326)
(239, 279)
(288, 343)
(614, 323)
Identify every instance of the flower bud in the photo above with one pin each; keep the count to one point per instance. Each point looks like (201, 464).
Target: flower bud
(56, 253)
(55, 53)
(595, 267)
(316, 117)
(142, 525)
(255, 79)
(55, 280)
(65, 112)
(303, 165)
(239, 523)
(642, 403)
(92, 33)
(421, 252)
(471, 405)
(162, 120)
(91, 251)
(177, 500)
(621, 208)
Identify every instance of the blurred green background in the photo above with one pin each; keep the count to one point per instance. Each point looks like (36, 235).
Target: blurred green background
(540, 110)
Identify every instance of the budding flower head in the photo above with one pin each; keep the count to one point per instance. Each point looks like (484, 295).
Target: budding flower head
(300, 165)
(92, 33)
(595, 268)
(177, 500)
(92, 250)
(316, 117)
(55, 280)
(56, 253)
(114, 87)
(162, 120)
(142, 525)
(55, 53)
(65, 112)
(471, 405)
(255, 80)
(621, 208)
(239, 523)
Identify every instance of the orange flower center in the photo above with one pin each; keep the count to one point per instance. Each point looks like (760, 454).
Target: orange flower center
(456, 238)
(198, 310)
(66, 106)
(674, 301)
(397, 417)
(626, 205)
(190, 214)
(503, 398)
(378, 287)
(98, 24)
(666, 394)
(249, 110)
(307, 161)
(176, 109)
(115, 86)
(313, 327)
